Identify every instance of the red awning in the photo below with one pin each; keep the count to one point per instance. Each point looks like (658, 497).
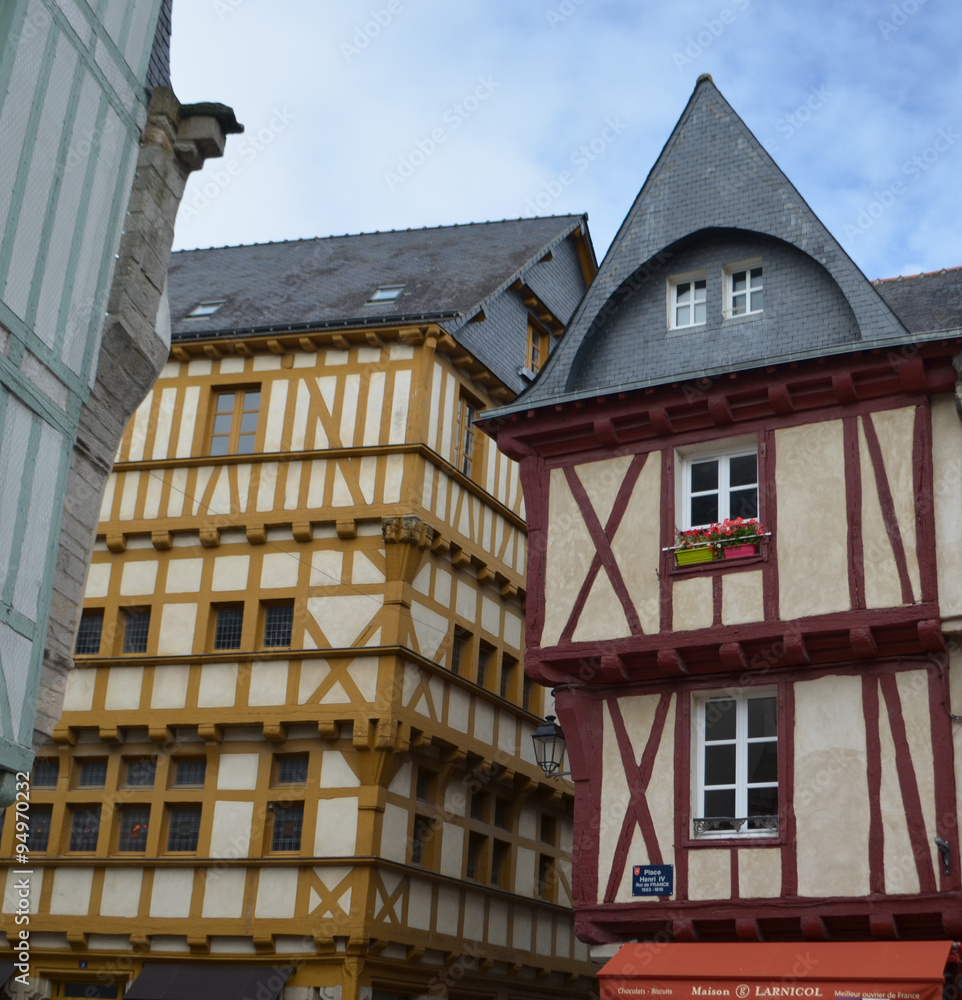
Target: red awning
(821, 970)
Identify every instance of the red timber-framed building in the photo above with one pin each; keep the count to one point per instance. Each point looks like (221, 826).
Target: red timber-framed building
(779, 728)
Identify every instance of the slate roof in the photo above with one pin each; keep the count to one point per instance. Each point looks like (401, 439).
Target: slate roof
(448, 273)
(158, 69)
(925, 303)
(712, 181)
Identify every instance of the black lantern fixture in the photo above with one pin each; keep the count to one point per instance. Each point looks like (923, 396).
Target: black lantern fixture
(549, 747)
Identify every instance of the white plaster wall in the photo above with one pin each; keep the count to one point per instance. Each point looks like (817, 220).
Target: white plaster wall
(947, 461)
(394, 833)
(569, 554)
(172, 892)
(71, 890)
(759, 873)
(183, 576)
(79, 691)
(123, 688)
(336, 772)
(268, 682)
(170, 686)
(224, 892)
(336, 832)
(237, 771)
(177, 624)
(230, 835)
(636, 545)
(276, 893)
(812, 551)
(452, 850)
(882, 587)
(831, 787)
(218, 685)
(709, 874)
(691, 603)
(121, 892)
(742, 598)
(419, 905)
(138, 578)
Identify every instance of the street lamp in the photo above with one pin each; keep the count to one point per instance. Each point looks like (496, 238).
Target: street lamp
(549, 747)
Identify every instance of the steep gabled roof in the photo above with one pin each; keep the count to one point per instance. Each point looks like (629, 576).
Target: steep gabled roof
(712, 179)
(926, 303)
(447, 274)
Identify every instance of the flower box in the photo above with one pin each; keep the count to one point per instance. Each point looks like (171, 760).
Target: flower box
(685, 557)
(740, 551)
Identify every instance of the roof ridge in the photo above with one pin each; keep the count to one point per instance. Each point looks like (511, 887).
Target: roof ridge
(921, 274)
(379, 232)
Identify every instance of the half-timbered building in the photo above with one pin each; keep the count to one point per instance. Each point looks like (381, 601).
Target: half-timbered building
(764, 743)
(295, 755)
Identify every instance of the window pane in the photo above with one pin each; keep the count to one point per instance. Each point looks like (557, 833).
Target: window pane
(720, 764)
(225, 402)
(700, 313)
(762, 718)
(140, 773)
(45, 773)
(134, 821)
(288, 822)
(720, 803)
(90, 991)
(184, 828)
(222, 423)
(743, 503)
(84, 829)
(245, 444)
(762, 762)
(743, 470)
(756, 277)
(190, 772)
(248, 424)
(39, 823)
(88, 635)
(704, 510)
(762, 801)
(292, 770)
(756, 299)
(278, 624)
(704, 476)
(720, 720)
(738, 281)
(136, 628)
(252, 401)
(684, 292)
(230, 623)
(93, 774)
(218, 445)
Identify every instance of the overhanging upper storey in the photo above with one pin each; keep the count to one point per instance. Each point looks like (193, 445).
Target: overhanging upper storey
(720, 265)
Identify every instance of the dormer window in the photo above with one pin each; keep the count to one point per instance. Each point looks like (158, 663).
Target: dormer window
(204, 309)
(386, 293)
(687, 301)
(744, 289)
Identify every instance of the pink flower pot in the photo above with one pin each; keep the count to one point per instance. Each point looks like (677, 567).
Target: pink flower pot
(740, 551)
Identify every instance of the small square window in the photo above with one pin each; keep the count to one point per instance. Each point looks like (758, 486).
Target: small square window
(45, 772)
(426, 786)
(459, 649)
(465, 445)
(745, 289)
(236, 415)
(500, 856)
(38, 834)
(287, 826)
(189, 773)
(134, 821)
(183, 828)
(502, 813)
(474, 865)
(229, 627)
(84, 828)
(292, 770)
(421, 841)
(479, 806)
(136, 629)
(735, 773)
(141, 772)
(278, 624)
(89, 633)
(539, 343)
(485, 659)
(93, 774)
(719, 486)
(386, 293)
(688, 305)
(509, 669)
(203, 309)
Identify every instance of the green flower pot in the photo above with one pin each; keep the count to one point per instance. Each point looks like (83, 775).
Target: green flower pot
(687, 557)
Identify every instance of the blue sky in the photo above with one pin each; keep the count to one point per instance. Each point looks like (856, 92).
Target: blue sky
(390, 114)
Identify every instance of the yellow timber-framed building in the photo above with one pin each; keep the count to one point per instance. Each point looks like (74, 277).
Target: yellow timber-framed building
(295, 754)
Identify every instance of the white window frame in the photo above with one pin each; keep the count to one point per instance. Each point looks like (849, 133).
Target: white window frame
(674, 283)
(730, 271)
(724, 452)
(700, 706)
